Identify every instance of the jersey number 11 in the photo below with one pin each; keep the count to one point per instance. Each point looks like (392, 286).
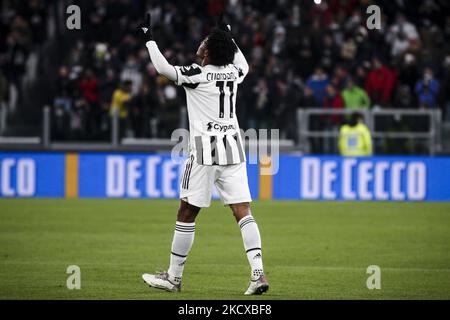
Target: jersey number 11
(221, 85)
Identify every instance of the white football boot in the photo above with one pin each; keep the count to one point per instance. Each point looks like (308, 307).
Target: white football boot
(258, 286)
(161, 281)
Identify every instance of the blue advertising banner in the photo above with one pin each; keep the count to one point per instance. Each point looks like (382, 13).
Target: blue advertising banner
(137, 176)
(32, 174)
(129, 175)
(370, 179)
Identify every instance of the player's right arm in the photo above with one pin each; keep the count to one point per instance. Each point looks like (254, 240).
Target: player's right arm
(189, 76)
(181, 75)
(160, 63)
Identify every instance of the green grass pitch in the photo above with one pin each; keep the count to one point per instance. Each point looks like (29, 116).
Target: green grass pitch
(312, 250)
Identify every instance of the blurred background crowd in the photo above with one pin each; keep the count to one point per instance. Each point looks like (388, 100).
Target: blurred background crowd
(301, 55)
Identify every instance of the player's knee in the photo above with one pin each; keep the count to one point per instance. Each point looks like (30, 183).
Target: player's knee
(240, 210)
(187, 213)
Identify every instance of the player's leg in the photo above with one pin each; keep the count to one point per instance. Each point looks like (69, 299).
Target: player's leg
(252, 245)
(232, 185)
(183, 239)
(195, 194)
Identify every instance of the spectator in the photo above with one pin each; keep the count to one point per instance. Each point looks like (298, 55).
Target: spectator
(17, 48)
(403, 97)
(401, 35)
(308, 100)
(318, 83)
(300, 48)
(427, 90)
(147, 112)
(288, 103)
(3, 89)
(131, 71)
(78, 119)
(340, 77)
(63, 104)
(445, 88)
(333, 100)
(354, 138)
(90, 90)
(329, 53)
(408, 71)
(120, 103)
(3, 101)
(89, 87)
(355, 97)
(169, 118)
(107, 86)
(349, 49)
(380, 83)
(261, 101)
(278, 43)
(361, 75)
(36, 14)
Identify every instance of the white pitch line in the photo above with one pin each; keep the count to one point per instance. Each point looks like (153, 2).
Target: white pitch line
(364, 268)
(215, 265)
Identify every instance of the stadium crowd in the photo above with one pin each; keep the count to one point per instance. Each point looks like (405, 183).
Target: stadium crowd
(301, 55)
(22, 31)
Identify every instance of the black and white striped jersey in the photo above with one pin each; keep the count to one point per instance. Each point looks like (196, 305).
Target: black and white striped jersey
(211, 91)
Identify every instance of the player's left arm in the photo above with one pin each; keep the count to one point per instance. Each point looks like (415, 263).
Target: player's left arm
(160, 63)
(241, 63)
(239, 59)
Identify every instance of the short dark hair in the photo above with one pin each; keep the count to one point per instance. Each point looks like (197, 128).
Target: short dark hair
(355, 118)
(221, 47)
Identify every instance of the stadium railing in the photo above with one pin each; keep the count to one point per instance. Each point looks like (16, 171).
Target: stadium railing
(115, 142)
(431, 132)
(305, 133)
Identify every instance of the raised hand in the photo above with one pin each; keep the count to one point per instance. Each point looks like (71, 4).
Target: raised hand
(145, 30)
(222, 25)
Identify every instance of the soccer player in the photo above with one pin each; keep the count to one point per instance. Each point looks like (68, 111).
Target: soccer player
(216, 150)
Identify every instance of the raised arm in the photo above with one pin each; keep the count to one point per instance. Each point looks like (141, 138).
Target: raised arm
(159, 61)
(240, 61)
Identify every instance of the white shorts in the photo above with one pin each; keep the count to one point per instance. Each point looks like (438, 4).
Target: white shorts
(230, 180)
